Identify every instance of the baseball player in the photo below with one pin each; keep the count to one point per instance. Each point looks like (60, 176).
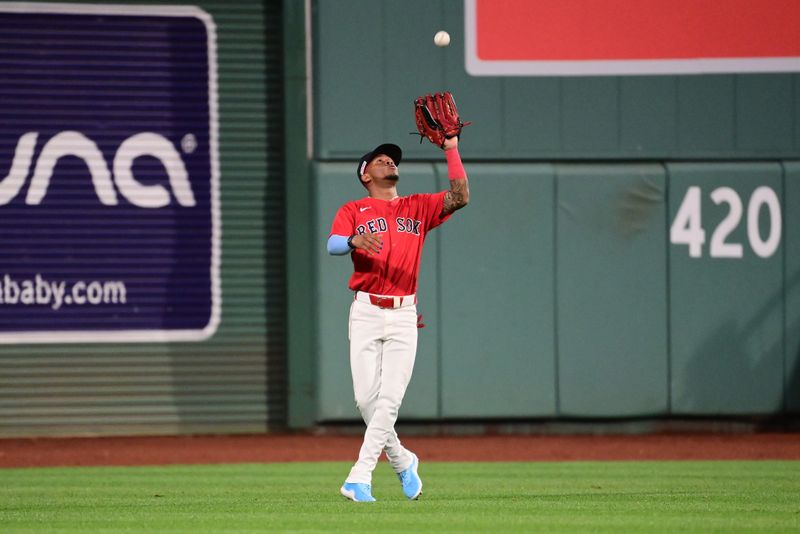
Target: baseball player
(383, 233)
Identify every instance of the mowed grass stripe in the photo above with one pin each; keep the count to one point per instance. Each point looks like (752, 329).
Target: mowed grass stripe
(458, 497)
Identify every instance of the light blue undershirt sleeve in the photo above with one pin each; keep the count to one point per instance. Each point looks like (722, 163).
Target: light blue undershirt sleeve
(337, 245)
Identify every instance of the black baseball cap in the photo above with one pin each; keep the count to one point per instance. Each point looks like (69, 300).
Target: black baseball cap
(393, 151)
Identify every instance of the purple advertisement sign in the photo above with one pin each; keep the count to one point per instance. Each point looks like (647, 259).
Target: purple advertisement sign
(109, 175)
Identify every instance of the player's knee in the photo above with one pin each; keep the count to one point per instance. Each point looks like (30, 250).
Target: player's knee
(387, 406)
(364, 401)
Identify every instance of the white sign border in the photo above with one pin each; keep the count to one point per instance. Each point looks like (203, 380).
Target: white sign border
(148, 336)
(478, 67)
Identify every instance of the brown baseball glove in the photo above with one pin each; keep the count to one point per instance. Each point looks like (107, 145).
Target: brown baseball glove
(437, 118)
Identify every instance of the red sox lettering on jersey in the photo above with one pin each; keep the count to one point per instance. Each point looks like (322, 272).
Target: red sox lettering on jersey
(403, 223)
(375, 226)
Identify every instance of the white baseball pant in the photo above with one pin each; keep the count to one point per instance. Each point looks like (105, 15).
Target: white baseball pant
(383, 346)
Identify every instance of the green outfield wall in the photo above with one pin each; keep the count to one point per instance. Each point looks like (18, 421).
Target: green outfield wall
(631, 244)
(558, 293)
(631, 249)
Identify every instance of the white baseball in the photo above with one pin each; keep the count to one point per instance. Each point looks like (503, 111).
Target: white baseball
(442, 38)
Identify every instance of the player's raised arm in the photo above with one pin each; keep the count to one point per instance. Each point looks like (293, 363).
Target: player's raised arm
(438, 120)
(458, 196)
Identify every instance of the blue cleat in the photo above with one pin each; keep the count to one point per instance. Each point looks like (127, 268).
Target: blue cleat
(412, 484)
(357, 492)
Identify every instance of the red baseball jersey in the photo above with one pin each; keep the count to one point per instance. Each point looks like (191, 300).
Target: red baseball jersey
(403, 222)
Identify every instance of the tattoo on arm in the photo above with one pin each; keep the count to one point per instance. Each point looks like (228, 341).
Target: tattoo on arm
(456, 198)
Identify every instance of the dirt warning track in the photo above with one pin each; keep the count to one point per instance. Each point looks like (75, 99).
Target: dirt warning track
(164, 450)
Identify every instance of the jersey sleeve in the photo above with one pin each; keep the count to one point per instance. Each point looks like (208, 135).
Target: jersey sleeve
(343, 222)
(433, 203)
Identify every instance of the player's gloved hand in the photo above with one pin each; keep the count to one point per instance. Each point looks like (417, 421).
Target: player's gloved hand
(371, 243)
(437, 118)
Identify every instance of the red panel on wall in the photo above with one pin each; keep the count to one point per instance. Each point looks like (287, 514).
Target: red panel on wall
(624, 36)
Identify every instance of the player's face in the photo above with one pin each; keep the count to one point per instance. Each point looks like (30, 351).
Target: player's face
(383, 168)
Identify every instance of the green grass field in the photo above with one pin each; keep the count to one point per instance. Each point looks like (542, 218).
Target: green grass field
(458, 497)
